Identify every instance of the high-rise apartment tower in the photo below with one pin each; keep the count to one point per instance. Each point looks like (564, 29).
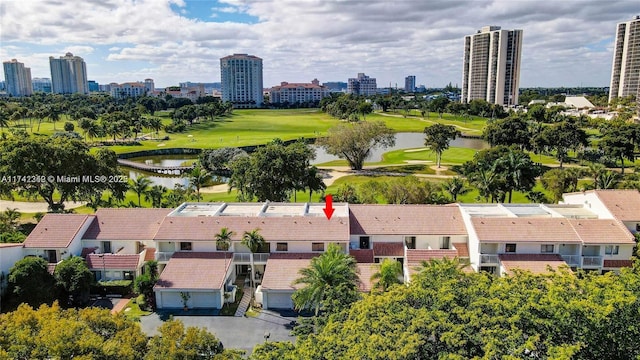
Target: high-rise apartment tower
(625, 72)
(68, 75)
(241, 76)
(491, 69)
(17, 78)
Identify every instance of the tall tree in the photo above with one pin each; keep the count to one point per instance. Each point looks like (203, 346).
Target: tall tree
(390, 273)
(140, 186)
(30, 282)
(74, 278)
(331, 269)
(514, 130)
(562, 137)
(155, 195)
(355, 141)
(438, 137)
(223, 239)
(198, 177)
(455, 187)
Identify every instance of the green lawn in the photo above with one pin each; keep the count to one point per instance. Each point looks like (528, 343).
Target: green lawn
(258, 126)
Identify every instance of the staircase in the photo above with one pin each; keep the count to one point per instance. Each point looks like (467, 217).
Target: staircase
(244, 302)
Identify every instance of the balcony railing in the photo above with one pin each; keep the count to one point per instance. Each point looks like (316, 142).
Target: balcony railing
(242, 257)
(489, 259)
(163, 256)
(571, 259)
(591, 261)
(246, 257)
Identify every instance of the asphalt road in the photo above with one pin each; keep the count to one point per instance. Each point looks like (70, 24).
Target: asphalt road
(235, 332)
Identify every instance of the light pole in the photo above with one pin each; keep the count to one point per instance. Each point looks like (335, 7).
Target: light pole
(251, 281)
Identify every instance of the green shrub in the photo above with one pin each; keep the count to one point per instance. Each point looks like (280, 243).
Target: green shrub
(114, 287)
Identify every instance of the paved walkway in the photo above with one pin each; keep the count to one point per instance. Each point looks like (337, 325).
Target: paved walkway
(121, 305)
(244, 302)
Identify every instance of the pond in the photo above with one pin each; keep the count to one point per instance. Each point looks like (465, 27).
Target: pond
(403, 141)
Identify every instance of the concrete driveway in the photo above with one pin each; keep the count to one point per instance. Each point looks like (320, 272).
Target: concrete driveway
(235, 332)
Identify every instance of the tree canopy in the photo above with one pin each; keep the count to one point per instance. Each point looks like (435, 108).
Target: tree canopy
(355, 141)
(437, 138)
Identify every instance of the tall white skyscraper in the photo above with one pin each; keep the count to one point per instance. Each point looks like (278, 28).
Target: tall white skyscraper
(17, 78)
(68, 75)
(491, 69)
(625, 72)
(241, 76)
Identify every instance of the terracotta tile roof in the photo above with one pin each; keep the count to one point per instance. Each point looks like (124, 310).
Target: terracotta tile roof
(295, 228)
(365, 271)
(126, 224)
(279, 274)
(463, 249)
(388, 249)
(617, 263)
(87, 251)
(524, 229)
(623, 204)
(51, 268)
(56, 230)
(602, 231)
(150, 254)
(536, 263)
(293, 256)
(416, 256)
(194, 270)
(362, 255)
(113, 261)
(406, 220)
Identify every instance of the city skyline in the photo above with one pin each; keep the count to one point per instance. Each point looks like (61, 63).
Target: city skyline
(566, 44)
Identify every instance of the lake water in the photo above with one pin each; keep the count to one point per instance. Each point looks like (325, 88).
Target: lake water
(403, 141)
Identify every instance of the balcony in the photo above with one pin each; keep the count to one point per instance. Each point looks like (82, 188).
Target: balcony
(163, 256)
(489, 259)
(571, 260)
(258, 258)
(591, 261)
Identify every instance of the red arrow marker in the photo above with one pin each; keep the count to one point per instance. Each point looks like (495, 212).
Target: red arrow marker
(328, 208)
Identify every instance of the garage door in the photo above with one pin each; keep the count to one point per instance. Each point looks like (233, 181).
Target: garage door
(205, 300)
(279, 300)
(168, 299)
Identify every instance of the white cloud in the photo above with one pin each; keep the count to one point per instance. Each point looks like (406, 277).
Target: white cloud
(565, 43)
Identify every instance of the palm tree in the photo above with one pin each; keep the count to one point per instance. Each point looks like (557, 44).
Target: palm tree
(254, 241)
(4, 119)
(332, 269)
(223, 239)
(516, 163)
(198, 177)
(155, 195)
(607, 180)
(455, 186)
(390, 273)
(314, 181)
(140, 186)
(155, 124)
(596, 170)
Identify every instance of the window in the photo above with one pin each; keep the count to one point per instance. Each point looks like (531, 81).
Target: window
(445, 242)
(510, 248)
(546, 248)
(106, 246)
(364, 242)
(410, 242)
(317, 246)
(282, 247)
(185, 246)
(611, 249)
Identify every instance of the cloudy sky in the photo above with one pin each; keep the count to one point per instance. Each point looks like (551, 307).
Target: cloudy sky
(566, 43)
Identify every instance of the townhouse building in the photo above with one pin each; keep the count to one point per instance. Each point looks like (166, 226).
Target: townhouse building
(590, 231)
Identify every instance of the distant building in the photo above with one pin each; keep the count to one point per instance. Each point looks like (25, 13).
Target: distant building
(149, 85)
(17, 78)
(209, 88)
(41, 85)
(410, 83)
(69, 75)
(128, 90)
(362, 85)
(105, 87)
(93, 86)
(241, 76)
(187, 92)
(297, 93)
(625, 76)
(336, 86)
(491, 66)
